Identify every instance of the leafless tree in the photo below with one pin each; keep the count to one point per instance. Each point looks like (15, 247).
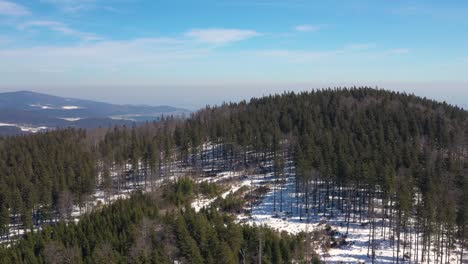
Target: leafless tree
(65, 204)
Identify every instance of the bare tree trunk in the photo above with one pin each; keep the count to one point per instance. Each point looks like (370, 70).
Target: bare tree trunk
(462, 248)
(398, 235)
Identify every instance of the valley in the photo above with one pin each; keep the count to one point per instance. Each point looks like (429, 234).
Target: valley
(25, 112)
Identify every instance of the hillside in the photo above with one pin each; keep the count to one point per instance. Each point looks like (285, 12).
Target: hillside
(133, 231)
(369, 175)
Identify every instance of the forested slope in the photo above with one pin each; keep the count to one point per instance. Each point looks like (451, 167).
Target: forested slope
(362, 144)
(133, 231)
(43, 174)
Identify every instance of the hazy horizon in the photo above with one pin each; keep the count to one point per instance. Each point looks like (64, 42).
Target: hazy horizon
(454, 95)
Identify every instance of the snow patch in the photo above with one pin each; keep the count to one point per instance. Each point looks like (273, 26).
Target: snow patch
(71, 107)
(26, 128)
(48, 106)
(71, 119)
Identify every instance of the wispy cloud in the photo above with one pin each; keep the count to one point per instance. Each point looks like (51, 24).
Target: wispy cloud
(12, 9)
(4, 40)
(360, 46)
(183, 56)
(103, 56)
(368, 50)
(220, 35)
(399, 51)
(151, 53)
(72, 6)
(307, 28)
(59, 27)
(295, 56)
(439, 12)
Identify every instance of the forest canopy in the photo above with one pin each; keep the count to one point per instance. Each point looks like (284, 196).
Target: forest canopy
(409, 151)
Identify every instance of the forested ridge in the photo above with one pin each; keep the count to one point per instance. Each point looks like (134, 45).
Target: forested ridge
(362, 145)
(409, 152)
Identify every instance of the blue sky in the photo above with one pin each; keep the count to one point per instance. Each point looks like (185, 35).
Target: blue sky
(192, 53)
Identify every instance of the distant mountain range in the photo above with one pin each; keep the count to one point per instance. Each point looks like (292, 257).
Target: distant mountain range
(30, 112)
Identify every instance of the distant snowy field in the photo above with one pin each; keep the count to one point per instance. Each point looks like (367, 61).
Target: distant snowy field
(26, 128)
(49, 106)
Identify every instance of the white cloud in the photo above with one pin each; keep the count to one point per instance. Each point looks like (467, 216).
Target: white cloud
(12, 9)
(307, 28)
(59, 27)
(220, 35)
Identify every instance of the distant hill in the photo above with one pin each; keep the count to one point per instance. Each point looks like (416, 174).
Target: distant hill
(25, 111)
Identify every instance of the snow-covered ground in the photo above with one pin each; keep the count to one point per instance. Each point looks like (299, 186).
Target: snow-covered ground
(96, 200)
(71, 107)
(71, 119)
(356, 250)
(47, 106)
(202, 202)
(26, 128)
(289, 220)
